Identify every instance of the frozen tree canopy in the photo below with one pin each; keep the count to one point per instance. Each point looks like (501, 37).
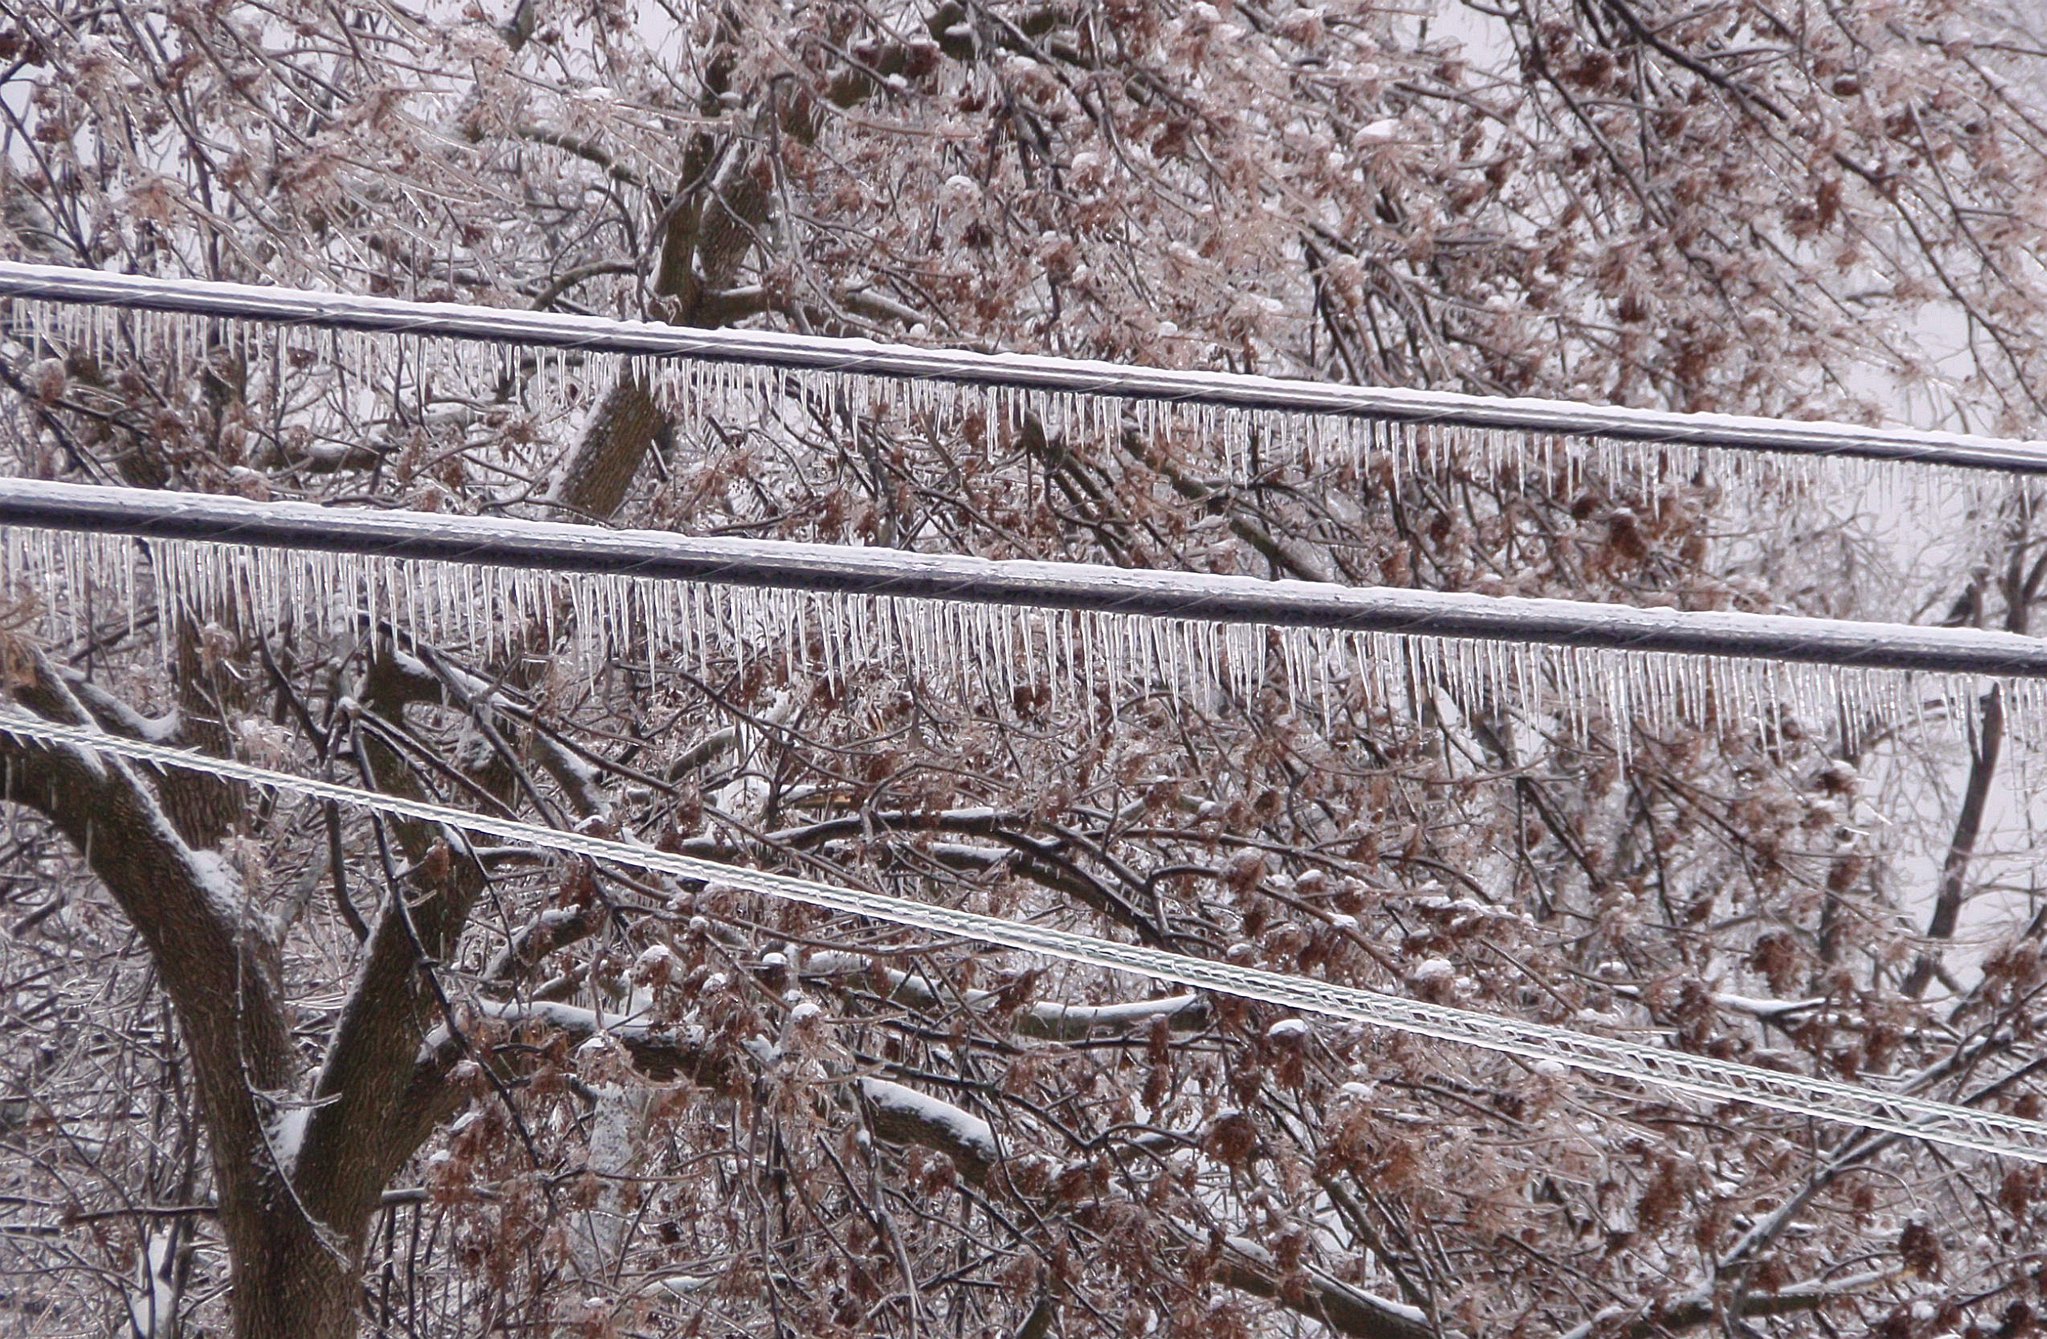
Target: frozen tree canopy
(2023, 1139)
(1009, 670)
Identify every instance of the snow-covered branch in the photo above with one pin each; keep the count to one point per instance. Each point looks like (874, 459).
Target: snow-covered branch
(1050, 1020)
(658, 1052)
(905, 1116)
(1249, 1267)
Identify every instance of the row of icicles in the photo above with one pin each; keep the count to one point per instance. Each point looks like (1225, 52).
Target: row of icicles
(999, 658)
(364, 369)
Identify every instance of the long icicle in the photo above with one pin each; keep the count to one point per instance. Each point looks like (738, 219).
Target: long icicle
(1101, 626)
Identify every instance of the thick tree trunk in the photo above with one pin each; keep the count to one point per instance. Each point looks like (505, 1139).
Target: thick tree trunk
(221, 976)
(288, 1283)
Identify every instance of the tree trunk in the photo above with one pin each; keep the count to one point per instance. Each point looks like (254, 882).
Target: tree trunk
(289, 1284)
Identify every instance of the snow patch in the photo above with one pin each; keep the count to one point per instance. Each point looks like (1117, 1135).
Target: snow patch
(288, 1135)
(152, 1308)
(962, 1128)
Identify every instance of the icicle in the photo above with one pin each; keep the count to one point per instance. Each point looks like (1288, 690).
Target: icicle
(1091, 662)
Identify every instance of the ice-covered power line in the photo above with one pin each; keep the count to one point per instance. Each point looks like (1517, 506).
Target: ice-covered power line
(1098, 381)
(548, 546)
(661, 598)
(1657, 1067)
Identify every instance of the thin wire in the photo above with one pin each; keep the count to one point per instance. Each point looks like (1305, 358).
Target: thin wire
(341, 311)
(896, 573)
(1693, 1075)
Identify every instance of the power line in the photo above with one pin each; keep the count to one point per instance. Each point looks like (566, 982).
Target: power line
(338, 311)
(785, 565)
(1675, 1071)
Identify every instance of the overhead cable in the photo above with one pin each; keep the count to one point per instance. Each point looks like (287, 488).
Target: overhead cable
(1696, 1076)
(785, 565)
(1028, 372)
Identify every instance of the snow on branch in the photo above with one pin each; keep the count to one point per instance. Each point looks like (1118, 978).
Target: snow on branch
(1249, 1267)
(658, 1052)
(999, 624)
(1673, 1071)
(903, 1115)
(1701, 1307)
(1049, 1020)
(812, 354)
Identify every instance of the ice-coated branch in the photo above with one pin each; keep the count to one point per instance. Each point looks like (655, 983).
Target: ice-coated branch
(1245, 1265)
(894, 573)
(339, 311)
(1653, 1066)
(903, 1115)
(1046, 1019)
(1701, 1307)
